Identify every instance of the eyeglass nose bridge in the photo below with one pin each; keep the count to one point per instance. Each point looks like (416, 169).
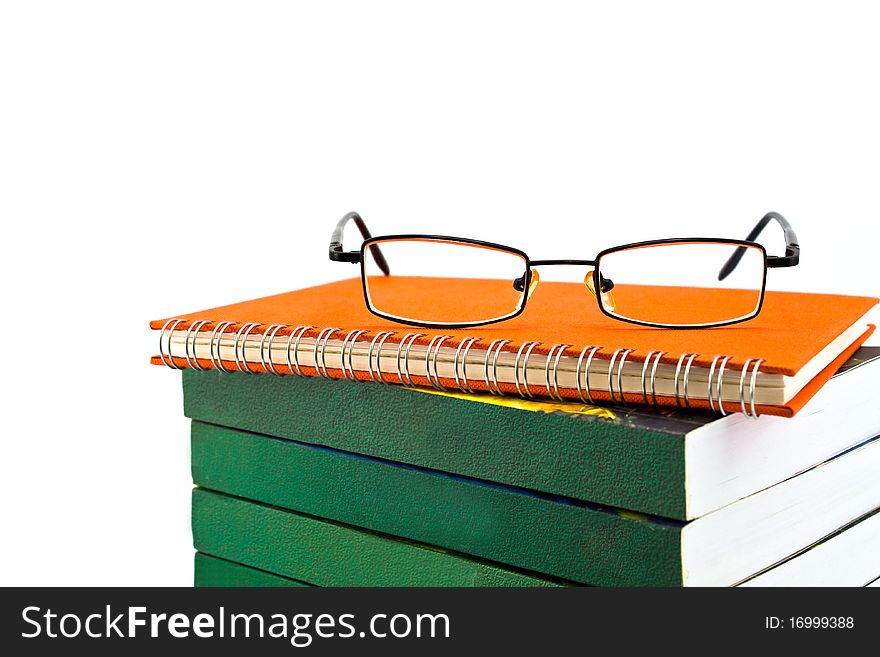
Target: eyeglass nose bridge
(606, 285)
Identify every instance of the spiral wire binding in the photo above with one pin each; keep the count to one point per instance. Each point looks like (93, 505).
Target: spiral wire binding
(431, 360)
(166, 357)
(656, 355)
(237, 341)
(214, 345)
(321, 348)
(752, 385)
(269, 334)
(553, 392)
(528, 347)
(408, 340)
(577, 374)
(379, 338)
(347, 369)
(654, 377)
(742, 378)
(752, 412)
(685, 379)
(464, 348)
(709, 382)
(242, 336)
(294, 338)
(719, 386)
(193, 331)
(623, 355)
(493, 385)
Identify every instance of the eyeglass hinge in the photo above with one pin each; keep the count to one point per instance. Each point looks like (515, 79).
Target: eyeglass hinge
(338, 255)
(790, 259)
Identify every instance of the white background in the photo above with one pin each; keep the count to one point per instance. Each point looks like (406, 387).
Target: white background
(163, 157)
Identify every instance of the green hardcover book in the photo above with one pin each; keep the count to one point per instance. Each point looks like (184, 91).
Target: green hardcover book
(332, 554)
(552, 535)
(666, 463)
(211, 571)
(576, 541)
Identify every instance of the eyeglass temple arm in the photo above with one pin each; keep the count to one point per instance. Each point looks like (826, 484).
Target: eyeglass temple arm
(792, 250)
(338, 255)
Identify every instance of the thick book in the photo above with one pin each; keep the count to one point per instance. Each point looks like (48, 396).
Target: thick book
(326, 553)
(211, 571)
(585, 543)
(772, 364)
(661, 462)
(556, 536)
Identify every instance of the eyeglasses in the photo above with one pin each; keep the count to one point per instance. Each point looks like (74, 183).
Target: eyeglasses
(453, 282)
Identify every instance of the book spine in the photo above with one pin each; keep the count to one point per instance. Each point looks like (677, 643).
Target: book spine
(604, 459)
(585, 543)
(711, 395)
(210, 571)
(330, 554)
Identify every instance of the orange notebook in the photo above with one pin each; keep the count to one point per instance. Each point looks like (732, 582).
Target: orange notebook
(561, 347)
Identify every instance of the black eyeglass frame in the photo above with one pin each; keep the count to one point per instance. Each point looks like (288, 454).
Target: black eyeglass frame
(600, 284)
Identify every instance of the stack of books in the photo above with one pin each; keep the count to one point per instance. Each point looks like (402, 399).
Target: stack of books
(319, 480)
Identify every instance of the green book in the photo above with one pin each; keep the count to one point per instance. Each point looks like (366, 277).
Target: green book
(571, 540)
(327, 553)
(576, 541)
(666, 463)
(211, 571)
(558, 536)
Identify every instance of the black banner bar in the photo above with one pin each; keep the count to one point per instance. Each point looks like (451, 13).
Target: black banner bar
(432, 621)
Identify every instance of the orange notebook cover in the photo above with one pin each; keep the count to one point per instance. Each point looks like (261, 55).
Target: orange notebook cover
(790, 331)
